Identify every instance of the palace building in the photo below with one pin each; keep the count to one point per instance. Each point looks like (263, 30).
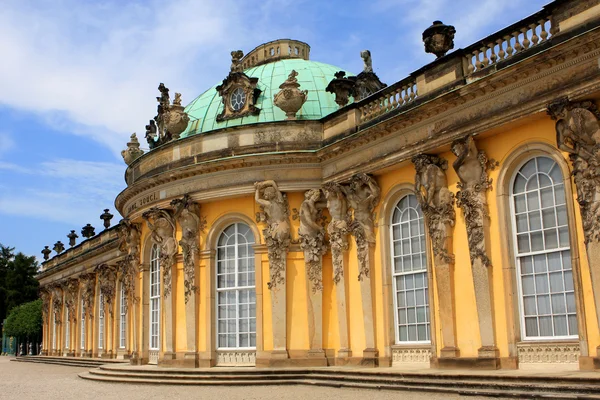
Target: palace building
(297, 214)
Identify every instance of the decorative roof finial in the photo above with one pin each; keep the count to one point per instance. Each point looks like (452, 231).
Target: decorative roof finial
(439, 38)
(88, 231)
(106, 217)
(59, 247)
(72, 236)
(46, 252)
(290, 99)
(133, 150)
(236, 58)
(366, 56)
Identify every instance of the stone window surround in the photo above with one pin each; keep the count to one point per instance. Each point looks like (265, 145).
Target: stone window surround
(508, 167)
(385, 211)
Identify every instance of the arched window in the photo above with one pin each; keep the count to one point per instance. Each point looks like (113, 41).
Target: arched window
(543, 256)
(236, 294)
(409, 272)
(101, 322)
(67, 328)
(82, 339)
(122, 316)
(155, 298)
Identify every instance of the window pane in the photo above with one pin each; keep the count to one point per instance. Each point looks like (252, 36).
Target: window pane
(546, 282)
(410, 276)
(236, 307)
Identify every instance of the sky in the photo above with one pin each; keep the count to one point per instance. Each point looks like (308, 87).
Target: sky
(77, 77)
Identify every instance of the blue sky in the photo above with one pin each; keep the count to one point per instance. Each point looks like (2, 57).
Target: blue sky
(78, 77)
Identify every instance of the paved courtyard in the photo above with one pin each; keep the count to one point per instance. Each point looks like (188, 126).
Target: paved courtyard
(29, 381)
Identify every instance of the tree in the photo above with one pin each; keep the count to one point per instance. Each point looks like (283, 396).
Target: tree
(17, 279)
(25, 321)
(6, 255)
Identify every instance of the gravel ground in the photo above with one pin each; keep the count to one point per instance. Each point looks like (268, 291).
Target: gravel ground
(25, 381)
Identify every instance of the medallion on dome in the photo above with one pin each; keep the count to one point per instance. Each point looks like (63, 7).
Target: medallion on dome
(238, 91)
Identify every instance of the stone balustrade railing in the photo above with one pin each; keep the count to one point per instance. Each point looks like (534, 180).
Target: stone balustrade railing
(391, 98)
(510, 41)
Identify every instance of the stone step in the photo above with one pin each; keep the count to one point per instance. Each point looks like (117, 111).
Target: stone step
(71, 364)
(356, 385)
(397, 380)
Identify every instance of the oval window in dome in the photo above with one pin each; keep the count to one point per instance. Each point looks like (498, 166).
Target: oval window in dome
(237, 99)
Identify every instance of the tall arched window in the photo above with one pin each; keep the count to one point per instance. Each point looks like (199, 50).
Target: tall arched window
(236, 294)
(101, 322)
(155, 298)
(82, 338)
(122, 318)
(409, 272)
(67, 328)
(543, 256)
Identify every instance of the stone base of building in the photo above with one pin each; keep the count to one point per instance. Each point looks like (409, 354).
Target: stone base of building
(370, 358)
(136, 359)
(71, 354)
(589, 363)
(293, 358)
(180, 359)
(107, 355)
(467, 363)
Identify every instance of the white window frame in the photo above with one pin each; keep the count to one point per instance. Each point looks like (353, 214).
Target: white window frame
(518, 256)
(122, 319)
(54, 332)
(236, 289)
(82, 338)
(423, 255)
(101, 321)
(67, 330)
(154, 306)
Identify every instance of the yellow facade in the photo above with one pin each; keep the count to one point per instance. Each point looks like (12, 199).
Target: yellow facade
(501, 106)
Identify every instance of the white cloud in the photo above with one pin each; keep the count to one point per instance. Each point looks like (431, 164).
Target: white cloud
(96, 67)
(7, 144)
(66, 190)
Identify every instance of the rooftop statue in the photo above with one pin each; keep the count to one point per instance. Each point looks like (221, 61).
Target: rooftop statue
(366, 56)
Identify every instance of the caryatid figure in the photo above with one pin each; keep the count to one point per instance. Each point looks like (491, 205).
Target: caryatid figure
(277, 233)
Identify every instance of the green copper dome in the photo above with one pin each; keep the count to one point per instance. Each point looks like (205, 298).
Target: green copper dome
(312, 76)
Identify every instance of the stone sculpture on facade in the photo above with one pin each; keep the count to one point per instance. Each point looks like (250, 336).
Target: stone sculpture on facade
(170, 120)
(129, 244)
(312, 236)
(187, 214)
(578, 133)
(132, 151)
(437, 204)
(59, 247)
(363, 195)
(471, 166)
(88, 231)
(162, 227)
(236, 57)
(57, 302)
(439, 38)
(238, 91)
(107, 281)
(342, 87)
(71, 288)
(275, 213)
(436, 201)
(368, 63)
(72, 238)
(88, 291)
(338, 230)
(290, 99)
(44, 294)
(46, 252)
(367, 82)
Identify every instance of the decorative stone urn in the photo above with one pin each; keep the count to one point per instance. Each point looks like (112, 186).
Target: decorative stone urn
(342, 87)
(88, 231)
(175, 119)
(439, 38)
(46, 252)
(72, 237)
(290, 99)
(59, 247)
(132, 151)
